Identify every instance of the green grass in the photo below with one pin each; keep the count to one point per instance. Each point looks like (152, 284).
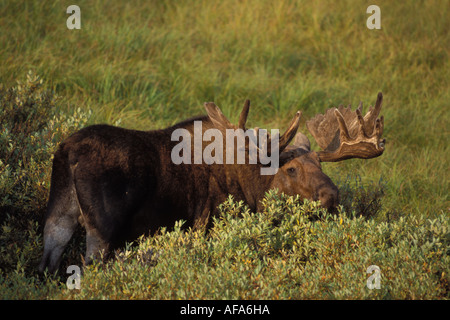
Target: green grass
(149, 64)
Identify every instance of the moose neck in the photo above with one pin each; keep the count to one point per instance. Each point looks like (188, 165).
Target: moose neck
(243, 179)
(254, 185)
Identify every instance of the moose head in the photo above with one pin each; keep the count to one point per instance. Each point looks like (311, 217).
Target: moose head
(340, 132)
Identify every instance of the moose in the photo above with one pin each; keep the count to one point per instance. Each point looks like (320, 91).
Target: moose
(120, 183)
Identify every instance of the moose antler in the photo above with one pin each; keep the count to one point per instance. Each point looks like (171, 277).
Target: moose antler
(345, 134)
(244, 114)
(221, 122)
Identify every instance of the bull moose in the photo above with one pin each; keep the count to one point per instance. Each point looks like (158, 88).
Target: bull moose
(119, 183)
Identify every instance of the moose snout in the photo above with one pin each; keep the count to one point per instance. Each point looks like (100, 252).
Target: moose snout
(329, 197)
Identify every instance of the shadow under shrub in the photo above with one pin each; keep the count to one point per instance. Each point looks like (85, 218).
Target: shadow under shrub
(359, 199)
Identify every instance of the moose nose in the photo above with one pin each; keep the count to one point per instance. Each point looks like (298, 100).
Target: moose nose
(328, 198)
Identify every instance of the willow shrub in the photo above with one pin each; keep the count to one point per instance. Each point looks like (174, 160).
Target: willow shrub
(290, 250)
(30, 129)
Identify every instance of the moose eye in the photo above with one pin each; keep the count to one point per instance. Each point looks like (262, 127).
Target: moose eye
(291, 171)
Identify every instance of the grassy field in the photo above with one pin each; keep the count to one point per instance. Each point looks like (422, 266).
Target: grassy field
(149, 64)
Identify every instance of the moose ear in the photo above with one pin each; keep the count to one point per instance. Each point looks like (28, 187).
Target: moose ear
(300, 147)
(217, 117)
(290, 153)
(301, 141)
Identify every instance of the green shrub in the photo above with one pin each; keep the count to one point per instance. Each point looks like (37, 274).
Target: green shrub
(30, 130)
(279, 253)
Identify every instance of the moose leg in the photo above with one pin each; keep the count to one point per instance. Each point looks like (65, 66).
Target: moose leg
(60, 225)
(100, 219)
(96, 246)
